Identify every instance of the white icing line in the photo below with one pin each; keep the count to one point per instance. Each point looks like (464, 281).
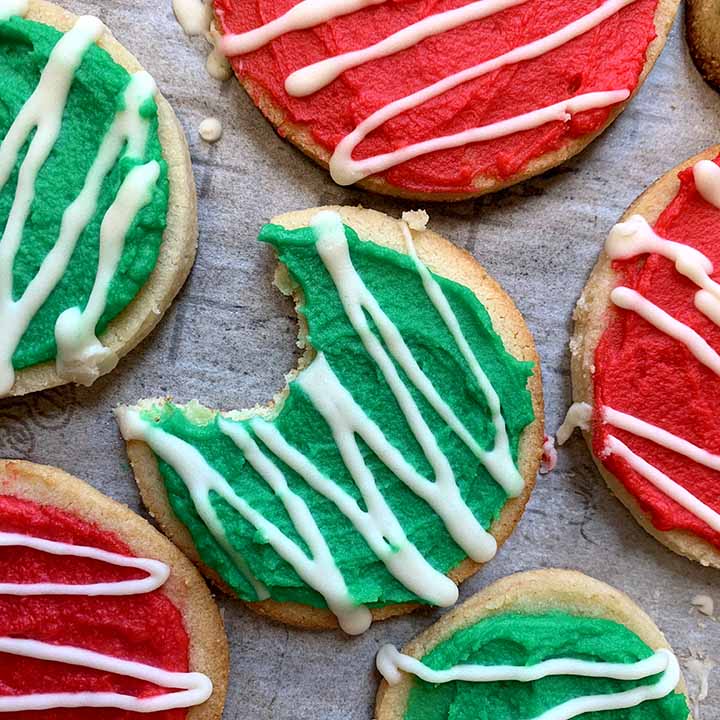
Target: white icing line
(664, 483)
(319, 572)
(442, 495)
(661, 437)
(195, 688)
(314, 77)
(158, 572)
(498, 461)
(579, 415)
(346, 171)
(391, 663)
(200, 479)
(306, 14)
(81, 357)
(43, 112)
(707, 181)
(629, 299)
(636, 237)
(378, 525)
(13, 8)
(343, 168)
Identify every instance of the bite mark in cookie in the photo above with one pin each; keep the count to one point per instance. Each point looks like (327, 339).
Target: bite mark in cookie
(401, 454)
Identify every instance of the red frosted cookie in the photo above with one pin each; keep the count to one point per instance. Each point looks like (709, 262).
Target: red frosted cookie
(646, 359)
(101, 618)
(441, 100)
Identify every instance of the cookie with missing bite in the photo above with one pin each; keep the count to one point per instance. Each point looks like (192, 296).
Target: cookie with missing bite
(97, 200)
(397, 460)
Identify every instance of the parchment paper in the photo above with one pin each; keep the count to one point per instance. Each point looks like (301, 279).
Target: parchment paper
(230, 338)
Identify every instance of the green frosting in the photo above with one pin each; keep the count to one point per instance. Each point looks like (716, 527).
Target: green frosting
(96, 95)
(511, 639)
(395, 283)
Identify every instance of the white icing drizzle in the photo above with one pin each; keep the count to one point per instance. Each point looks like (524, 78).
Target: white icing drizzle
(314, 77)
(158, 572)
(347, 420)
(390, 663)
(635, 237)
(81, 357)
(630, 299)
(13, 8)
(306, 14)
(707, 181)
(579, 415)
(194, 16)
(196, 687)
(630, 239)
(664, 483)
(661, 437)
(343, 168)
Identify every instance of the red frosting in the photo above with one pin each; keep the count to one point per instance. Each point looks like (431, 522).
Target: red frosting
(643, 372)
(146, 628)
(609, 57)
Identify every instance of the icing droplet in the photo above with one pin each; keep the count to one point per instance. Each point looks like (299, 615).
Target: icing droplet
(578, 416)
(704, 604)
(13, 8)
(549, 456)
(194, 16)
(210, 130)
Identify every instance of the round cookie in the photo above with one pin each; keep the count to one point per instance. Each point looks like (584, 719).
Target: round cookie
(57, 591)
(491, 107)
(166, 226)
(397, 557)
(663, 395)
(702, 26)
(524, 620)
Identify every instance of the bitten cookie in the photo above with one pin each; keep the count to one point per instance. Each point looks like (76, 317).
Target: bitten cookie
(702, 25)
(97, 200)
(436, 101)
(98, 611)
(645, 363)
(401, 454)
(541, 644)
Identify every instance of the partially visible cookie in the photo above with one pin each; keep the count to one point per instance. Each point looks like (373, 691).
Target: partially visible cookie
(98, 611)
(645, 362)
(571, 644)
(442, 101)
(398, 459)
(702, 25)
(104, 220)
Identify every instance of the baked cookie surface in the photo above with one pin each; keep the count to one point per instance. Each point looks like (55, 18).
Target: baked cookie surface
(97, 202)
(403, 450)
(547, 643)
(702, 23)
(100, 616)
(447, 100)
(645, 357)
